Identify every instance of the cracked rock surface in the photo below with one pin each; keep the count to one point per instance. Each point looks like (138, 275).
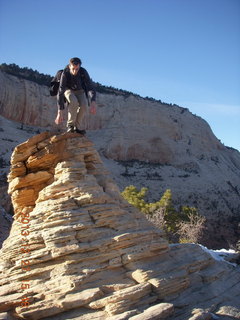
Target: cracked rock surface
(77, 250)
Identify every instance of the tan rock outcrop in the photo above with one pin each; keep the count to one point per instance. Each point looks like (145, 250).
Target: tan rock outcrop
(200, 171)
(79, 251)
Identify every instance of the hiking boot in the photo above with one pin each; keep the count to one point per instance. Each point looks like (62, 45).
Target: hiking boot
(70, 129)
(83, 132)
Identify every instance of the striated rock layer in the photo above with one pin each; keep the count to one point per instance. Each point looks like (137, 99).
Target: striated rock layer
(176, 149)
(77, 250)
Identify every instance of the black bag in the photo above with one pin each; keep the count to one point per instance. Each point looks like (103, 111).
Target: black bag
(54, 85)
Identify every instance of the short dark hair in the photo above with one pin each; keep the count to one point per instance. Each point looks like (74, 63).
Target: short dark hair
(75, 61)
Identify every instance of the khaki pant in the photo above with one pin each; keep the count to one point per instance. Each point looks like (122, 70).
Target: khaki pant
(77, 107)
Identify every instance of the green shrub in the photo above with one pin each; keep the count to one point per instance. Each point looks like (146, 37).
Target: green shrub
(184, 224)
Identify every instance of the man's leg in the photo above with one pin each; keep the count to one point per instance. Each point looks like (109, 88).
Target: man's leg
(73, 106)
(82, 100)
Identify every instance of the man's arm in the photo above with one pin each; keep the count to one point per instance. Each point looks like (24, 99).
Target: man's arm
(60, 98)
(61, 90)
(59, 118)
(91, 91)
(90, 86)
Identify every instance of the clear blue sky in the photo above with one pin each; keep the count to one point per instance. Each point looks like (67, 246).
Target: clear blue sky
(179, 51)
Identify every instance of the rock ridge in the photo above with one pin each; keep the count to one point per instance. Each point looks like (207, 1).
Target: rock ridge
(176, 150)
(77, 250)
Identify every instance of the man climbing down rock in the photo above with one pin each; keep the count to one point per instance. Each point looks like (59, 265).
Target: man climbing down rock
(75, 87)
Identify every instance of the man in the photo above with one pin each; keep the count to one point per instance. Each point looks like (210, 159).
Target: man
(75, 86)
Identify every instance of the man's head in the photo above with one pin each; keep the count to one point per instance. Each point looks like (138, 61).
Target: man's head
(74, 65)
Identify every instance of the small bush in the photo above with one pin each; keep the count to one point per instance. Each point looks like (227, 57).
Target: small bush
(158, 218)
(192, 230)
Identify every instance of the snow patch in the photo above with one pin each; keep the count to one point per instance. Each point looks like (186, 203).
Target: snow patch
(222, 254)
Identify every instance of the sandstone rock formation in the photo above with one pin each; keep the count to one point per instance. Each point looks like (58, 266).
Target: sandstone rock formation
(171, 148)
(77, 250)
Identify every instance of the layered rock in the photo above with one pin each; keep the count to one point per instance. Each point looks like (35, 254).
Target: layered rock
(177, 150)
(77, 250)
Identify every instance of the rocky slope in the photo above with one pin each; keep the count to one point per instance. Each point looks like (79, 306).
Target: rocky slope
(78, 251)
(149, 144)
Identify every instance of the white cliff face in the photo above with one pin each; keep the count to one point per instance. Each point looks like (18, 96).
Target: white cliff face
(176, 150)
(132, 127)
(25, 101)
(150, 131)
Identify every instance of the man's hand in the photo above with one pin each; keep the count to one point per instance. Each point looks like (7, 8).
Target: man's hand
(59, 118)
(93, 107)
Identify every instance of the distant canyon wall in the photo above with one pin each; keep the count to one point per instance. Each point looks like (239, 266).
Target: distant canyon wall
(134, 128)
(25, 101)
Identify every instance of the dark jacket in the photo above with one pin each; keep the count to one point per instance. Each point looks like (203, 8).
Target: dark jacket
(75, 82)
